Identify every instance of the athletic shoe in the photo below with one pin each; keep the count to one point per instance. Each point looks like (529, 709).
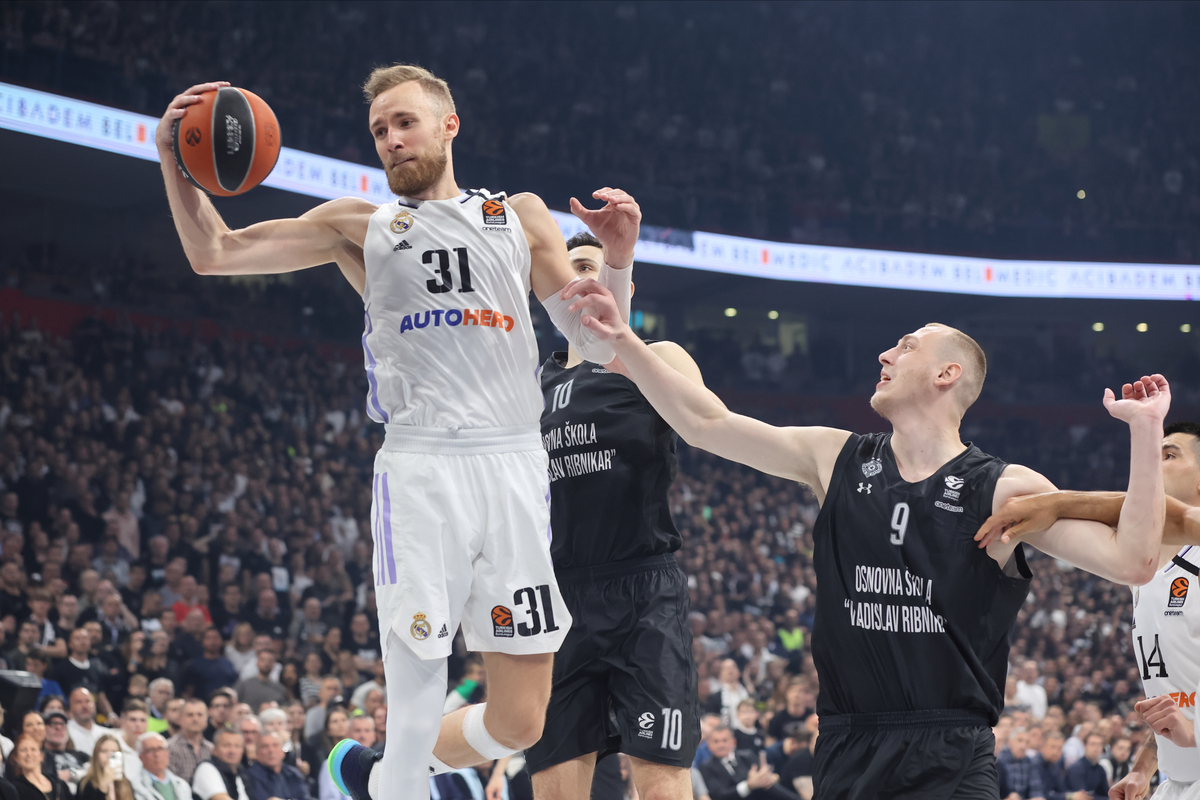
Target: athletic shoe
(350, 765)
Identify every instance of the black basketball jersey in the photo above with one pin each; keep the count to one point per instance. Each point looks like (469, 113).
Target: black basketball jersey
(911, 614)
(612, 460)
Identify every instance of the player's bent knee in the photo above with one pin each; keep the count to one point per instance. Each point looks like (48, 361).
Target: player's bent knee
(519, 731)
(660, 781)
(495, 738)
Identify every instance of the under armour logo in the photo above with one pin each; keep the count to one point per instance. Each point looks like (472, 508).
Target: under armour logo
(864, 487)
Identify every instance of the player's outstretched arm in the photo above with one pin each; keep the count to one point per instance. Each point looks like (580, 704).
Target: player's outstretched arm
(1031, 513)
(806, 455)
(616, 226)
(283, 245)
(1130, 554)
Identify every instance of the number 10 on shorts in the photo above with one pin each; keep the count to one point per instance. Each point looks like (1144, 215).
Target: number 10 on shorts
(672, 729)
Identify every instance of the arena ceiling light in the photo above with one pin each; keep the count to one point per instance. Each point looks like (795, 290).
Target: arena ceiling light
(115, 131)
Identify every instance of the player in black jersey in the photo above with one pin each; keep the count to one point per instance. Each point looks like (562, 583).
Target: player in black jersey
(913, 620)
(624, 679)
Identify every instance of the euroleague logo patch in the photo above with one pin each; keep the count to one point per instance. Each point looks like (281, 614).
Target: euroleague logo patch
(493, 213)
(192, 136)
(502, 624)
(1179, 590)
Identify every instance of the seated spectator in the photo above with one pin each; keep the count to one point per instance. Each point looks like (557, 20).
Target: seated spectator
(262, 688)
(33, 725)
(1021, 769)
(29, 780)
(799, 706)
(84, 730)
(203, 676)
(730, 775)
(66, 761)
(39, 615)
(381, 714)
(133, 725)
(337, 724)
(241, 649)
(27, 640)
(78, 668)
(362, 730)
(220, 777)
(314, 718)
(262, 642)
(798, 745)
(270, 777)
(250, 728)
(474, 673)
(1030, 693)
(308, 630)
(1086, 774)
(289, 679)
(267, 618)
(220, 712)
(275, 720)
(174, 716)
(105, 778)
(159, 693)
(745, 728)
(38, 662)
(189, 600)
(363, 643)
(1051, 768)
(1120, 759)
(157, 779)
(189, 748)
(731, 692)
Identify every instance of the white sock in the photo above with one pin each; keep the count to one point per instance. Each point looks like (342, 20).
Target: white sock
(373, 781)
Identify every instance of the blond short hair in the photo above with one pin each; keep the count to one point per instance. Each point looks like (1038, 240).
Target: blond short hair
(383, 78)
(967, 353)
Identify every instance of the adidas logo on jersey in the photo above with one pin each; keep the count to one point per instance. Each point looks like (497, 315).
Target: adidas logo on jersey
(404, 245)
(443, 633)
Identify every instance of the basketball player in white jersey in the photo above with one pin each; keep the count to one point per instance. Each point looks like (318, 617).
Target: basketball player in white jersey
(459, 516)
(1166, 613)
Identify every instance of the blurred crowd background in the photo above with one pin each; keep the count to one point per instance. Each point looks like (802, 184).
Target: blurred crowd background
(185, 462)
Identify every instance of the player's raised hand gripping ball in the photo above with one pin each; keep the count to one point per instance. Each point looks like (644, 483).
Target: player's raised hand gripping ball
(226, 142)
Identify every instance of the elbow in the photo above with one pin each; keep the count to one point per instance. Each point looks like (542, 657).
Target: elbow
(1142, 574)
(203, 266)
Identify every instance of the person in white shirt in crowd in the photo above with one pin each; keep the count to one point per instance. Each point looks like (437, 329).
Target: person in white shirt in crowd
(157, 781)
(82, 726)
(133, 725)
(218, 778)
(250, 670)
(1030, 691)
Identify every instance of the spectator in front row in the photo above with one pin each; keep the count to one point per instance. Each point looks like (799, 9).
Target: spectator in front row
(188, 748)
(105, 778)
(275, 720)
(1086, 774)
(251, 729)
(1019, 767)
(730, 776)
(68, 763)
(159, 782)
(30, 782)
(1120, 760)
(269, 777)
(219, 777)
(133, 725)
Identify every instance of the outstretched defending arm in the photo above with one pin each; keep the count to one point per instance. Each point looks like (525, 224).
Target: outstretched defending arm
(806, 455)
(1037, 512)
(616, 226)
(283, 245)
(1130, 554)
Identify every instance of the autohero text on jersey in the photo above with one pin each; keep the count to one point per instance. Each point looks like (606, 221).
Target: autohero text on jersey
(877, 616)
(578, 434)
(454, 317)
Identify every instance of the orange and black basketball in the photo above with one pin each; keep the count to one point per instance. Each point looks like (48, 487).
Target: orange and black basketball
(227, 143)
(501, 616)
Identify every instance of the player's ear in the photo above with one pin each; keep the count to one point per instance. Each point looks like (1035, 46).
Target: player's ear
(451, 126)
(631, 288)
(950, 373)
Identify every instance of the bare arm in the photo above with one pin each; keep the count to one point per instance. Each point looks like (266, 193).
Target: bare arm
(1130, 554)
(1037, 512)
(550, 268)
(284, 245)
(806, 455)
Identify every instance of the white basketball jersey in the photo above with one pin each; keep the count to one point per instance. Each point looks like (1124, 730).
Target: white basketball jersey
(448, 341)
(1166, 643)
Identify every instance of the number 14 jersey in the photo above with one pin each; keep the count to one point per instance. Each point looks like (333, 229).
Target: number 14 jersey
(447, 338)
(1166, 644)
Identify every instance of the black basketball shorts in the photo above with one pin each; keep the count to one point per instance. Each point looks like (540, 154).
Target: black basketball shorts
(920, 756)
(624, 679)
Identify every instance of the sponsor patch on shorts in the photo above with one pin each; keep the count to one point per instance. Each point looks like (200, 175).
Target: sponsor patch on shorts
(502, 622)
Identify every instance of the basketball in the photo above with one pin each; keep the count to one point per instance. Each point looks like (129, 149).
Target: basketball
(228, 142)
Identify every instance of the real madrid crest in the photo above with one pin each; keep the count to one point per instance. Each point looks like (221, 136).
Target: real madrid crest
(872, 468)
(402, 222)
(420, 628)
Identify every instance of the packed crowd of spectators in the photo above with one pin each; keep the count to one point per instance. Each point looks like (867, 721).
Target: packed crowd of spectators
(909, 126)
(183, 552)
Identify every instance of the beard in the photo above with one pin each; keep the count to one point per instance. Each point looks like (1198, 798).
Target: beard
(428, 171)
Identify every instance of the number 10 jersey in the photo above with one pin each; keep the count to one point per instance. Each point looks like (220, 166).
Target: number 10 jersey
(447, 338)
(1166, 644)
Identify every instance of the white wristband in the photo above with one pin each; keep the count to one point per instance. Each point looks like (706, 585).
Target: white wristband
(619, 282)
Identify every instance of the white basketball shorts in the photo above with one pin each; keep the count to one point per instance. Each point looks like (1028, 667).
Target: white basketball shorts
(1174, 790)
(461, 526)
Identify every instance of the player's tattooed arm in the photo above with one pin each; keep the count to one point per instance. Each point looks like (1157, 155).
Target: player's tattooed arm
(806, 455)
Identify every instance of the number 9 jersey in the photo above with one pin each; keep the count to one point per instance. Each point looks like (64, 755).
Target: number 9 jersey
(447, 340)
(1166, 644)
